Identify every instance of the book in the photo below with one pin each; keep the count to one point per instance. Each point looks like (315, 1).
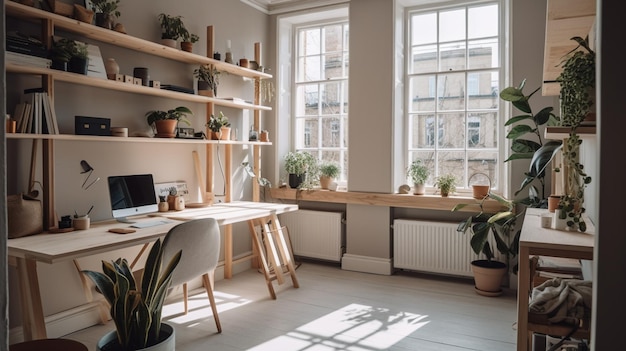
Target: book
(28, 60)
(17, 115)
(51, 127)
(25, 117)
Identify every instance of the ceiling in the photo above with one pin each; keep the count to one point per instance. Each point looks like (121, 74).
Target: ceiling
(279, 6)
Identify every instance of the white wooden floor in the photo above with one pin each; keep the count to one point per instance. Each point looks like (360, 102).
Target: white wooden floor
(341, 310)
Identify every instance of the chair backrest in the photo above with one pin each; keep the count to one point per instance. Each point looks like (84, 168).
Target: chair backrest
(199, 240)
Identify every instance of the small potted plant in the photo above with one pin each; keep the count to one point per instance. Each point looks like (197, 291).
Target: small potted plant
(187, 40)
(61, 53)
(418, 172)
(172, 28)
(328, 172)
(106, 12)
(79, 60)
(219, 126)
(208, 79)
(446, 184)
(136, 306)
(300, 165)
(165, 123)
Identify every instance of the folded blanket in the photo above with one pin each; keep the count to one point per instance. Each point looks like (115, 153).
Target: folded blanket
(562, 300)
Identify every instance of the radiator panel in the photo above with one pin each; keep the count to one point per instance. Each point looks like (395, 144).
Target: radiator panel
(315, 234)
(433, 247)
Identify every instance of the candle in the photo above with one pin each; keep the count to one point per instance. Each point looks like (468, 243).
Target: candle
(228, 44)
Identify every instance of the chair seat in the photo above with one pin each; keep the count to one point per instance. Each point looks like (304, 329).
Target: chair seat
(49, 345)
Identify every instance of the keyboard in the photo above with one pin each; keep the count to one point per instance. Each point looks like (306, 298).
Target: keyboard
(151, 223)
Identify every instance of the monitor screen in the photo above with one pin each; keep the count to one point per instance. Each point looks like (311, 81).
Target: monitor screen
(132, 195)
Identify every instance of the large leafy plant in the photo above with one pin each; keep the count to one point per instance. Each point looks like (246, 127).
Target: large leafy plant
(418, 172)
(527, 143)
(136, 309)
(179, 113)
(300, 162)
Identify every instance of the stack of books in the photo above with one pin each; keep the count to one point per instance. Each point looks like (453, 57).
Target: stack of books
(36, 113)
(26, 50)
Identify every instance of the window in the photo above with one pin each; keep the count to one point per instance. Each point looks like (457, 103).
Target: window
(454, 69)
(321, 91)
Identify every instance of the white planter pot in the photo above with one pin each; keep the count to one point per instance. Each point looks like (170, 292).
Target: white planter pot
(167, 343)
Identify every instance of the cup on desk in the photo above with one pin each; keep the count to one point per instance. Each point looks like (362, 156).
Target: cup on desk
(546, 220)
(81, 223)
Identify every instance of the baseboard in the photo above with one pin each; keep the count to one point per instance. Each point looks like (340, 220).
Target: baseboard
(66, 322)
(366, 264)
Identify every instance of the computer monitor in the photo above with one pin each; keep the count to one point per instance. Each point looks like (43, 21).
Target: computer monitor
(132, 195)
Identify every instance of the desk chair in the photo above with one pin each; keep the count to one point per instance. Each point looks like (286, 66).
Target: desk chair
(199, 241)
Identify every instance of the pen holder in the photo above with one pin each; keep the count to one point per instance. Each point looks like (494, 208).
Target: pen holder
(81, 223)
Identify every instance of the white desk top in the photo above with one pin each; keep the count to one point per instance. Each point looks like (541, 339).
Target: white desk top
(51, 248)
(533, 235)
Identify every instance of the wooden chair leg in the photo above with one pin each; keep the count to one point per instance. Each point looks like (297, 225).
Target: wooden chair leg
(208, 280)
(185, 297)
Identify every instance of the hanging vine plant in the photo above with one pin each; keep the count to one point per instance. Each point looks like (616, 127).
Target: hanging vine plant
(577, 95)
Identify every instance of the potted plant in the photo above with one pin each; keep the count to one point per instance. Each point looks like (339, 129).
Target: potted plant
(165, 123)
(187, 40)
(577, 97)
(299, 165)
(219, 126)
(446, 184)
(61, 53)
(106, 12)
(527, 142)
(488, 272)
(418, 172)
(136, 306)
(208, 79)
(172, 28)
(328, 172)
(79, 60)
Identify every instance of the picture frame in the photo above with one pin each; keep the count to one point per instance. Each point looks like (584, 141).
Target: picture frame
(88, 5)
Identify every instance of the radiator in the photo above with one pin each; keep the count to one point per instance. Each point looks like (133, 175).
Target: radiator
(315, 234)
(433, 247)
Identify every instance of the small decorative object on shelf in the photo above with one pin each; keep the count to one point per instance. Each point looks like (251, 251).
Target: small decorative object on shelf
(265, 136)
(142, 73)
(219, 126)
(217, 56)
(418, 172)
(229, 54)
(188, 39)
(83, 14)
(172, 29)
(112, 68)
(165, 123)
(243, 62)
(446, 184)
(163, 205)
(106, 12)
(208, 79)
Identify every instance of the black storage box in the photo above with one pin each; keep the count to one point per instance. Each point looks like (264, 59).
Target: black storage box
(92, 125)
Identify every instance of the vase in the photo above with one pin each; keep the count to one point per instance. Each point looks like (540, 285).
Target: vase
(166, 128)
(295, 180)
(186, 46)
(78, 65)
(167, 336)
(488, 277)
(112, 68)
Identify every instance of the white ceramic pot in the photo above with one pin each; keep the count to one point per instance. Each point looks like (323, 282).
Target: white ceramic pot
(109, 341)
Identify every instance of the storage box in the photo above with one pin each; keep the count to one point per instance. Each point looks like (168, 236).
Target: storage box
(92, 126)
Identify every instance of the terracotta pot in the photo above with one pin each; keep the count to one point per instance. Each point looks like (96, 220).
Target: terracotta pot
(166, 128)
(553, 202)
(225, 133)
(480, 191)
(325, 182)
(488, 276)
(186, 46)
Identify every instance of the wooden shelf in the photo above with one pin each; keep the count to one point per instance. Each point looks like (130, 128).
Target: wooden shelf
(90, 31)
(565, 19)
(82, 79)
(559, 133)
(431, 202)
(73, 137)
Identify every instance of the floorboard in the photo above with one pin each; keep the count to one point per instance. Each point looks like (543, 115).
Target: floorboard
(336, 309)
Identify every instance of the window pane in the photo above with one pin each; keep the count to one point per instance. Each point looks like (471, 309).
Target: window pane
(307, 133)
(423, 59)
(331, 98)
(452, 25)
(483, 162)
(422, 133)
(331, 132)
(452, 56)
(483, 53)
(482, 88)
(422, 93)
(483, 21)
(451, 91)
(451, 134)
(422, 29)
(428, 159)
(310, 43)
(482, 130)
(452, 162)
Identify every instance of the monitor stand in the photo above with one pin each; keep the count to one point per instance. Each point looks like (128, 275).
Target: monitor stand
(124, 220)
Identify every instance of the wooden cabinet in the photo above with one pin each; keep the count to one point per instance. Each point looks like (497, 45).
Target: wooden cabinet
(51, 22)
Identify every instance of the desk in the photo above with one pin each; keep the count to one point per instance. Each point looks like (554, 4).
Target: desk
(535, 240)
(52, 248)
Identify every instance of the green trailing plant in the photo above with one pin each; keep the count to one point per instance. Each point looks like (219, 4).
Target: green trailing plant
(446, 183)
(209, 74)
(418, 172)
(107, 7)
(136, 306)
(577, 81)
(179, 113)
(527, 142)
(329, 169)
(217, 122)
(172, 27)
(499, 225)
(186, 36)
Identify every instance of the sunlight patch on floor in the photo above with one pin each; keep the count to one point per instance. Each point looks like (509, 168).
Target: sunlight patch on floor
(354, 327)
(200, 307)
